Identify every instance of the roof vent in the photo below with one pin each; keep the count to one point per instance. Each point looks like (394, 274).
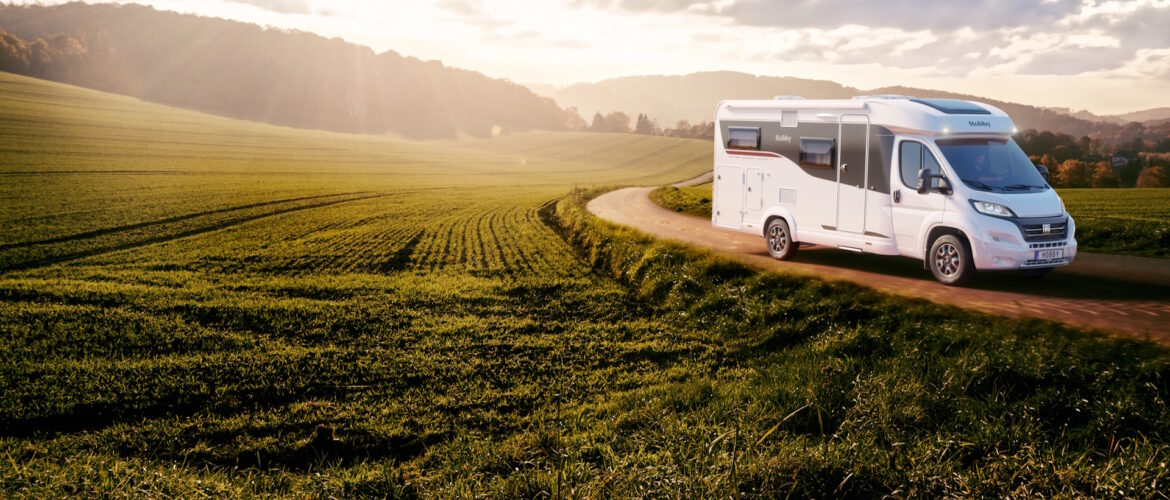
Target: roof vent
(882, 96)
(788, 98)
(954, 106)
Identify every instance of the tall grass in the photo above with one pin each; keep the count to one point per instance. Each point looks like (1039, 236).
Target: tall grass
(835, 390)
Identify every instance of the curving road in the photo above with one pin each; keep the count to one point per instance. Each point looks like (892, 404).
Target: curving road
(1128, 295)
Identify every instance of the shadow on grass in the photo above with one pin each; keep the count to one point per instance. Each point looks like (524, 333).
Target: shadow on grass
(1058, 283)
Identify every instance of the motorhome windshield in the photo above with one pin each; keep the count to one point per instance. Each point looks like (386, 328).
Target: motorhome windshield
(992, 165)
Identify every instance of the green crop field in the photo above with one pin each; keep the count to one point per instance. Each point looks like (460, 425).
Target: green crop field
(1120, 221)
(191, 305)
(1124, 221)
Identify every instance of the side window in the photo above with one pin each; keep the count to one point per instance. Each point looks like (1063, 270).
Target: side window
(911, 162)
(913, 157)
(817, 152)
(743, 138)
(929, 163)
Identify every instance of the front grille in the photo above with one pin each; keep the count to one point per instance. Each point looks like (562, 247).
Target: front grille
(1054, 244)
(1035, 232)
(1049, 262)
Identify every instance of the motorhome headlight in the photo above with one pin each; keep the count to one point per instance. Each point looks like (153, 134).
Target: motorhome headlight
(992, 209)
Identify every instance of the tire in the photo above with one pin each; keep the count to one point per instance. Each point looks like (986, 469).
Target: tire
(1036, 273)
(779, 240)
(950, 260)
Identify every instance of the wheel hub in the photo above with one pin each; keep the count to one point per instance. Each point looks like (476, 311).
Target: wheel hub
(777, 239)
(946, 259)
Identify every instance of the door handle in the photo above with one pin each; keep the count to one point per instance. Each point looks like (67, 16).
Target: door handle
(897, 196)
(843, 167)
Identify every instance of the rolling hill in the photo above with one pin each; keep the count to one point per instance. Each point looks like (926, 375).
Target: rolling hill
(244, 71)
(693, 98)
(195, 306)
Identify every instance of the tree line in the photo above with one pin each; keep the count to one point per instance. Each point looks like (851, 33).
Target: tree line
(619, 122)
(1087, 162)
(261, 74)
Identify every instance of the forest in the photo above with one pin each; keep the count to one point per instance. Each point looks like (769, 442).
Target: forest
(270, 75)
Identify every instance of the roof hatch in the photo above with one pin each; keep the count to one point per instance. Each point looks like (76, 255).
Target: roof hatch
(954, 106)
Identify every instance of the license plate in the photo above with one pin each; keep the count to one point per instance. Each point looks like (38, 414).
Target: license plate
(1050, 254)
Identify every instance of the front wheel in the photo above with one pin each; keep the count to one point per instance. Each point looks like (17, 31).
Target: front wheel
(779, 237)
(950, 260)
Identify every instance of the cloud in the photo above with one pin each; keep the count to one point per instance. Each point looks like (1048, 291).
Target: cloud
(279, 6)
(907, 14)
(473, 14)
(1040, 37)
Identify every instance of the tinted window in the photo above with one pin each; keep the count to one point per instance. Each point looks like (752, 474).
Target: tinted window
(817, 153)
(911, 160)
(913, 157)
(743, 138)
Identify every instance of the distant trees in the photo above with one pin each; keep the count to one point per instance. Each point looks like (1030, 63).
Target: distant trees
(42, 58)
(702, 130)
(1082, 174)
(618, 122)
(615, 122)
(277, 76)
(1072, 174)
(1057, 147)
(1153, 177)
(574, 121)
(646, 126)
(1104, 176)
(1086, 162)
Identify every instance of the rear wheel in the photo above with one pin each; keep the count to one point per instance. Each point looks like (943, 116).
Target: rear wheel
(950, 260)
(779, 238)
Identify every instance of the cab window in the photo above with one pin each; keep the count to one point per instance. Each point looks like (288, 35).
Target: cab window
(913, 156)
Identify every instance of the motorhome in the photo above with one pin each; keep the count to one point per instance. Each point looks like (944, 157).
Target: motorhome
(939, 180)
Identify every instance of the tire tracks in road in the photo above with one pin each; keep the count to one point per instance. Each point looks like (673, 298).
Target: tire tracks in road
(1126, 295)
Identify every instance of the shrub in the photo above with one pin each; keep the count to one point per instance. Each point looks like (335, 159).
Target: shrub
(1153, 177)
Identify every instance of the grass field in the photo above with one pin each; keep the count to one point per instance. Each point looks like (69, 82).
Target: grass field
(191, 305)
(1119, 221)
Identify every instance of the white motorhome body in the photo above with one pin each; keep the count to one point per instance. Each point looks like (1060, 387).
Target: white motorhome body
(846, 174)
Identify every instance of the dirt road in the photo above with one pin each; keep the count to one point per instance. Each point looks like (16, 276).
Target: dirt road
(1129, 295)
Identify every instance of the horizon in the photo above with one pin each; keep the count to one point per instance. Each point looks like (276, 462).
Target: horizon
(1104, 58)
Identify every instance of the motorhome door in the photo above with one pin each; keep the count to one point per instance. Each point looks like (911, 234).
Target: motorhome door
(853, 152)
(753, 190)
(728, 196)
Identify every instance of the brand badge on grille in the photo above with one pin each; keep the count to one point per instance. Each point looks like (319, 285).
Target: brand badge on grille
(1047, 228)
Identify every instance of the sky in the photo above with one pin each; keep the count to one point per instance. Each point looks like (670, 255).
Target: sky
(1107, 57)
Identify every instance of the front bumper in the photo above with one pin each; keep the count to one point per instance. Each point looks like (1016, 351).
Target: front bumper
(1002, 246)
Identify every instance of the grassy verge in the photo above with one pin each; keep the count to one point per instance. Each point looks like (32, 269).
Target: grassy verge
(1116, 221)
(1121, 221)
(834, 390)
(694, 200)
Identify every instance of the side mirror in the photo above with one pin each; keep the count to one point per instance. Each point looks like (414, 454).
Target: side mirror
(1043, 171)
(943, 186)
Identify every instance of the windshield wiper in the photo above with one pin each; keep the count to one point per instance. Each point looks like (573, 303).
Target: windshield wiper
(1014, 187)
(978, 185)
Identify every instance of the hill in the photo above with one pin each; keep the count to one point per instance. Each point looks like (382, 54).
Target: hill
(244, 71)
(1148, 117)
(194, 306)
(693, 98)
